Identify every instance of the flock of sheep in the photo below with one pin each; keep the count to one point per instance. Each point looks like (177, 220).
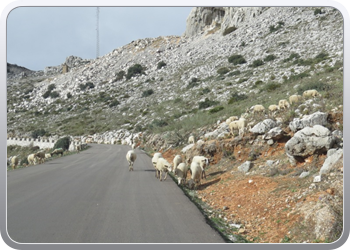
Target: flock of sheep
(199, 163)
(35, 158)
(179, 167)
(240, 124)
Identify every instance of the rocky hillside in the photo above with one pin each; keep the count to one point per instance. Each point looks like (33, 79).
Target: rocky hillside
(279, 181)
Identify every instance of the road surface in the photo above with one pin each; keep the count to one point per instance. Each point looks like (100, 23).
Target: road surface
(91, 197)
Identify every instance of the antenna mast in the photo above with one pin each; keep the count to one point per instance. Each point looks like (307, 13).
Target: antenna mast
(97, 32)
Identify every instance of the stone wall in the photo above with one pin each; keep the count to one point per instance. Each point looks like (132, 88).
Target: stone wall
(25, 142)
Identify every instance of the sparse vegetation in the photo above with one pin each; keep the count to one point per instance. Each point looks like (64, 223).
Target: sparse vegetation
(237, 59)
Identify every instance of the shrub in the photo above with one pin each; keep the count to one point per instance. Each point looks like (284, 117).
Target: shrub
(51, 87)
(274, 28)
(161, 65)
(38, 132)
(62, 143)
(318, 11)
(269, 58)
(46, 94)
(114, 103)
(205, 91)
(272, 86)
(90, 85)
(136, 69)
(235, 97)
(234, 73)
(216, 109)
(257, 63)
(69, 95)
(159, 123)
(54, 94)
(207, 103)
(291, 57)
(223, 71)
(193, 83)
(147, 92)
(120, 75)
(237, 59)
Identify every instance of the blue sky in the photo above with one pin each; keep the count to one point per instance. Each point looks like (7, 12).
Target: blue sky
(38, 37)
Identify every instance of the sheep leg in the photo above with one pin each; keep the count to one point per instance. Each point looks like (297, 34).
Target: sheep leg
(166, 175)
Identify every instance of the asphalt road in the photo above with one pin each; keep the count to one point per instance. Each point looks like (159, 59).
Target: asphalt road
(91, 197)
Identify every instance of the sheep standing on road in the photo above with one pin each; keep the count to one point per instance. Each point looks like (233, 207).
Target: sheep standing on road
(162, 166)
(196, 173)
(155, 158)
(181, 173)
(131, 157)
(14, 162)
(177, 160)
(203, 162)
(241, 124)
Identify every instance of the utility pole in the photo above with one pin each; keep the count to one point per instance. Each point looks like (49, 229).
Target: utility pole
(97, 32)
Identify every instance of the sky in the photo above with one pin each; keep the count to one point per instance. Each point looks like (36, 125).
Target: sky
(38, 37)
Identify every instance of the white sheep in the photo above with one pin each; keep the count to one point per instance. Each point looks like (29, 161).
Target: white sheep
(181, 173)
(191, 139)
(203, 162)
(40, 156)
(47, 156)
(257, 109)
(57, 151)
(231, 119)
(31, 159)
(196, 173)
(294, 99)
(311, 93)
(14, 162)
(177, 160)
(155, 158)
(162, 166)
(283, 104)
(241, 124)
(131, 157)
(273, 108)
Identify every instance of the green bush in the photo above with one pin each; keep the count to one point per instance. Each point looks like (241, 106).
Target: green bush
(136, 69)
(46, 94)
(257, 63)
(291, 57)
(274, 28)
(38, 132)
(161, 65)
(207, 103)
(269, 58)
(114, 103)
(235, 97)
(159, 123)
(223, 71)
(193, 83)
(216, 109)
(90, 85)
(272, 86)
(237, 59)
(234, 73)
(51, 87)
(54, 94)
(318, 11)
(62, 143)
(69, 95)
(120, 75)
(147, 92)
